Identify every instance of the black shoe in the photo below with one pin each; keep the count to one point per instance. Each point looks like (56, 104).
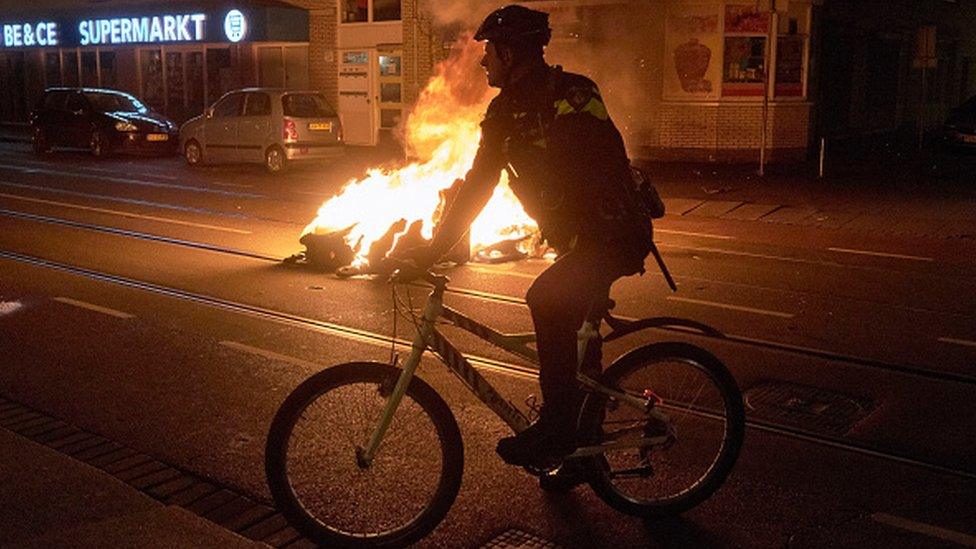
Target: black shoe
(539, 445)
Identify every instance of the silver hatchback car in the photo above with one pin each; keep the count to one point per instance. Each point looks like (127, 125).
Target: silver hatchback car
(267, 125)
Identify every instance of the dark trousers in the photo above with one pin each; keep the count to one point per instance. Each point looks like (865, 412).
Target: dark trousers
(559, 299)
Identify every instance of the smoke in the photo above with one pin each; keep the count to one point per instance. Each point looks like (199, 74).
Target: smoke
(610, 43)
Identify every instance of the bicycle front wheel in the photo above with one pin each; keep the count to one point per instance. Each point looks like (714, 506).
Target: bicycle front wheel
(322, 487)
(699, 419)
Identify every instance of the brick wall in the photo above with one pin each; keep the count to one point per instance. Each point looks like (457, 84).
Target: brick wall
(323, 60)
(719, 130)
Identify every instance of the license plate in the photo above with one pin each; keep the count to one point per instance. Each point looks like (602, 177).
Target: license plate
(157, 137)
(321, 126)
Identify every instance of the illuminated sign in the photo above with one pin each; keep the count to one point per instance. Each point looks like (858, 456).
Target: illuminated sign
(235, 26)
(26, 34)
(134, 30)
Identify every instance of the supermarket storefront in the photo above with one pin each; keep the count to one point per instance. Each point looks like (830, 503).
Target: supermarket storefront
(177, 57)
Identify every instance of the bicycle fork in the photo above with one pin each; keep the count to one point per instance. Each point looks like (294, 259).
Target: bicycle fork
(365, 456)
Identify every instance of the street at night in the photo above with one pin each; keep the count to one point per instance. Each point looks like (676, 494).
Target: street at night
(146, 303)
(333, 273)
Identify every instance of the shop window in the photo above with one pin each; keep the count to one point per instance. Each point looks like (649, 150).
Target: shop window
(390, 93)
(390, 65)
(258, 104)
(220, 73)
(194, 83)
(52, 69)
(296, 66)
(744, 71)
(89, 69)
(389, 118)
(69, 68)
(174, 83)
(355, 11)
(386, 10)
(108, 67)
(789, 66)
(271, 70)
(151, 62)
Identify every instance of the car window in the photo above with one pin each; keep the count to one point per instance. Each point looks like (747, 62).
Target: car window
(258, 104)
(228, 106)
(114, 102)
(306, 105)
(75, 102)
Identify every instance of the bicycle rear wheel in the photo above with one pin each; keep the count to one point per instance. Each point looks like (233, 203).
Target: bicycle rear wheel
(324, 490)
(705, 427)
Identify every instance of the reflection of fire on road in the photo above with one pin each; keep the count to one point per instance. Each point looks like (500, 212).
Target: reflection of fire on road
(394, 209)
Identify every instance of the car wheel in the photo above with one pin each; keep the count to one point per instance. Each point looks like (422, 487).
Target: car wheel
(98, 144)
(274, 160)
(39, 142)
(193, 153)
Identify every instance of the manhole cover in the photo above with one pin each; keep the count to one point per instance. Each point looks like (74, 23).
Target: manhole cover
(513, 538)
(809, 408)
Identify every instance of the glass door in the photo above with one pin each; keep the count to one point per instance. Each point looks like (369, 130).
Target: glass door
(391, 88)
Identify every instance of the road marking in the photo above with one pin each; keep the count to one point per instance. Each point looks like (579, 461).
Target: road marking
(703, 235)
(92, 307)
(730, 307)
(272, 355)
(125, 214)
(965, 342)
(966, 540)
(881, 254)
(235, 185)
(490, 270)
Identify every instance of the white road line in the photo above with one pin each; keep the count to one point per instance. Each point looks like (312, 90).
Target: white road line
(730, 307)
(881, 254)
(487, 269)
(235, 185)
(966, 540)
(91, 307)
(965, 342)
(125, 214)
(272, 355)
(703, 235)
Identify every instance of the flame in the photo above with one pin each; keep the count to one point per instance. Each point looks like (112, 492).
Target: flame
(442, 132)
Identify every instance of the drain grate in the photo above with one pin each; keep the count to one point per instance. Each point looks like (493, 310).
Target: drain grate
(154, 478)
(805, 407)
(517, 539)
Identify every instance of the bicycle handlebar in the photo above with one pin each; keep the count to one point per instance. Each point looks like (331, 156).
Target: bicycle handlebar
(407, 271)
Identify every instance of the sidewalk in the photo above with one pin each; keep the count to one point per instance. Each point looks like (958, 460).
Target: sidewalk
(48, 499)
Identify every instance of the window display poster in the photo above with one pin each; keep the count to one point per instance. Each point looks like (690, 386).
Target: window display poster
(746, 19)
(692, 50)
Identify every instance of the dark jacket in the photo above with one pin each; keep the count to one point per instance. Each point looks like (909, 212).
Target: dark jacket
(566, 160)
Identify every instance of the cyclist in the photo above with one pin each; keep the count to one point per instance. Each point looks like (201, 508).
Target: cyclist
(566, 162)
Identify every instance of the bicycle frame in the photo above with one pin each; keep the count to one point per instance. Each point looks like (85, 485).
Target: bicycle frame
(429, 337)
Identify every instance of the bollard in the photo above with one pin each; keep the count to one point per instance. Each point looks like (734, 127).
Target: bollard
(823, 152)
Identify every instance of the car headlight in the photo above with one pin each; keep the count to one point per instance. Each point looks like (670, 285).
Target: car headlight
(123, 126)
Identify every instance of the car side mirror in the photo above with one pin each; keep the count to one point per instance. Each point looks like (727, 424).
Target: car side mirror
(209, 113)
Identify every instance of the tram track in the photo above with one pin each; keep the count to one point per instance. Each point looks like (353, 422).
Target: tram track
(490, 364)
(809, 352)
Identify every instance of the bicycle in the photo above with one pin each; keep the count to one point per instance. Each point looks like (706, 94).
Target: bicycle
(659, 431)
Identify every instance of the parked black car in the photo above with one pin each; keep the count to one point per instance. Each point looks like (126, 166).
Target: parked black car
(959, 129)
(102, 121)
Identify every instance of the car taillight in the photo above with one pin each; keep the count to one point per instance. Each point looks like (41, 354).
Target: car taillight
(290, 131)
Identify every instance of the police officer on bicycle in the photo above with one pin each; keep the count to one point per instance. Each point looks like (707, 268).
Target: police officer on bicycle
(566, 162)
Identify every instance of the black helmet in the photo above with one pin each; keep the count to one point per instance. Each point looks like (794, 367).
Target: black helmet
(513, 24)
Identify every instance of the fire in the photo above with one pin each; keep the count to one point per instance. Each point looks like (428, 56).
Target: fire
(442, 132)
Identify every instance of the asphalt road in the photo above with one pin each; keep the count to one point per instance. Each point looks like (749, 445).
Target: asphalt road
(155, 311)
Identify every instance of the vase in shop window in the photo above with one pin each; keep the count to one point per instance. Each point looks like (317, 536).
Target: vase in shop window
(691, 61)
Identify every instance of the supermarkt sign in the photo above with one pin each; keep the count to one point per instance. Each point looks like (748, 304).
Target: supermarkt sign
(143, 30)
(19, 35)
